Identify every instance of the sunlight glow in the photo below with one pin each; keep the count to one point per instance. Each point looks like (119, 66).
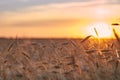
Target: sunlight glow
(100, 30)
(102, 12)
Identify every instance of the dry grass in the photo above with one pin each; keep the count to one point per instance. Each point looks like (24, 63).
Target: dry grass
(59, 59)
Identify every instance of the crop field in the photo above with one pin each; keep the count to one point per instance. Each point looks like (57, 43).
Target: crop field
(59, 59)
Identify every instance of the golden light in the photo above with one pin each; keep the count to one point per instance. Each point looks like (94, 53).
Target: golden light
(100, 30)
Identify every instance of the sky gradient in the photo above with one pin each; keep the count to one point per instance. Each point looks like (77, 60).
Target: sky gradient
(55, 18)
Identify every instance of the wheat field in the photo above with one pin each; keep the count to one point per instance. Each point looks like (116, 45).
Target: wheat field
(59, 59)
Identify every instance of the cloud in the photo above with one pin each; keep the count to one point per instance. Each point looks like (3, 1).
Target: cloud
(47, 23)
(90, 3)
(23, 0)
(8, 5)
(66, 5)
(59, 13)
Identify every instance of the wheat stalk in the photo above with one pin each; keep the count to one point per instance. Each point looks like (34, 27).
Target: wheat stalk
(116, 36)
(86, 38)
(96, 32)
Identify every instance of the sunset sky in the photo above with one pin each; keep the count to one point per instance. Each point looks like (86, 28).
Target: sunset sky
(56, 18)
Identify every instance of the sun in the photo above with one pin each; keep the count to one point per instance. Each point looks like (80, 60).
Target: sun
(100, 30)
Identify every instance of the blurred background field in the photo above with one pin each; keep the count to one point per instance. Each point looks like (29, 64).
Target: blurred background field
(59, 59)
